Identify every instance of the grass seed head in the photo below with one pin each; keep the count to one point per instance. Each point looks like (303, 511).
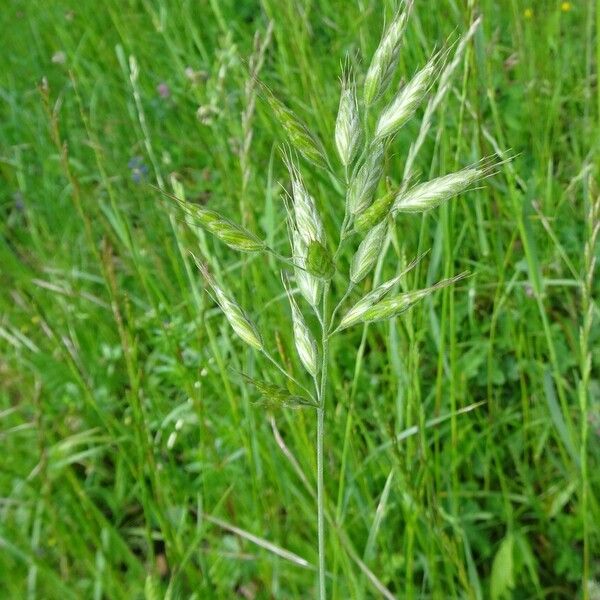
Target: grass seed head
(298, 133)
(373, 215)
(430, 194)
(395, 306)
(367, 254)
(406, 102)
(235, 236)
(356, 313)
(310, 286)
(365, 182)
(347, 125)
(319, 261)
(305, 342)
(239, 322)
(307, 219)
(385, 60)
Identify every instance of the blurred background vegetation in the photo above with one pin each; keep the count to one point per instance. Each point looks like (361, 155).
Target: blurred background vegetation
(135, 462)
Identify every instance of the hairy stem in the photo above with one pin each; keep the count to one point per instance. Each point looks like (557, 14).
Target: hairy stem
(321, 501)
(322, 393)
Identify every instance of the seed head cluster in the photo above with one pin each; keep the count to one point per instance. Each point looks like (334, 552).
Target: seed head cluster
(368, 211)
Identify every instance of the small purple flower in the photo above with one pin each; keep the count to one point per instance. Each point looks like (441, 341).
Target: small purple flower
(529, 292)
(138, 169)
(163, 90)
(19, 201)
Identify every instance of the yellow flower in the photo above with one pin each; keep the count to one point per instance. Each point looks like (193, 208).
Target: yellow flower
(565, 6)
(528, 13)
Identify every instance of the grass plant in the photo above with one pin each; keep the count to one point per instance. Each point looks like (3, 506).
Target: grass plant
(329, 406)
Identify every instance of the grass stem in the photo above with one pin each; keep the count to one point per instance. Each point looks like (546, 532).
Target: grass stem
(322, 396)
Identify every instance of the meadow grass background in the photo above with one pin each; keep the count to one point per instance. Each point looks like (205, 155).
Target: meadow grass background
(131, 447)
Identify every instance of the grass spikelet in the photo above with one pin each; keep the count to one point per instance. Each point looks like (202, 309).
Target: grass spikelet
(375, 213)
(367, 254)
(365, 182)
(430, 194)
(235, 236)
(306, 217)
(355, 314)
(309, 285)
(303, 338)
(239, 322)
(319, 261)
(297, 132)
(385, 60)
(347, 125)
(406, 102)
(395, 306)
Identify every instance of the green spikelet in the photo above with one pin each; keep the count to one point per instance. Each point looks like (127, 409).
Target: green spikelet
(319, 262)
(298, 133)
(373, 215)
(365, 182)
(235, 236)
